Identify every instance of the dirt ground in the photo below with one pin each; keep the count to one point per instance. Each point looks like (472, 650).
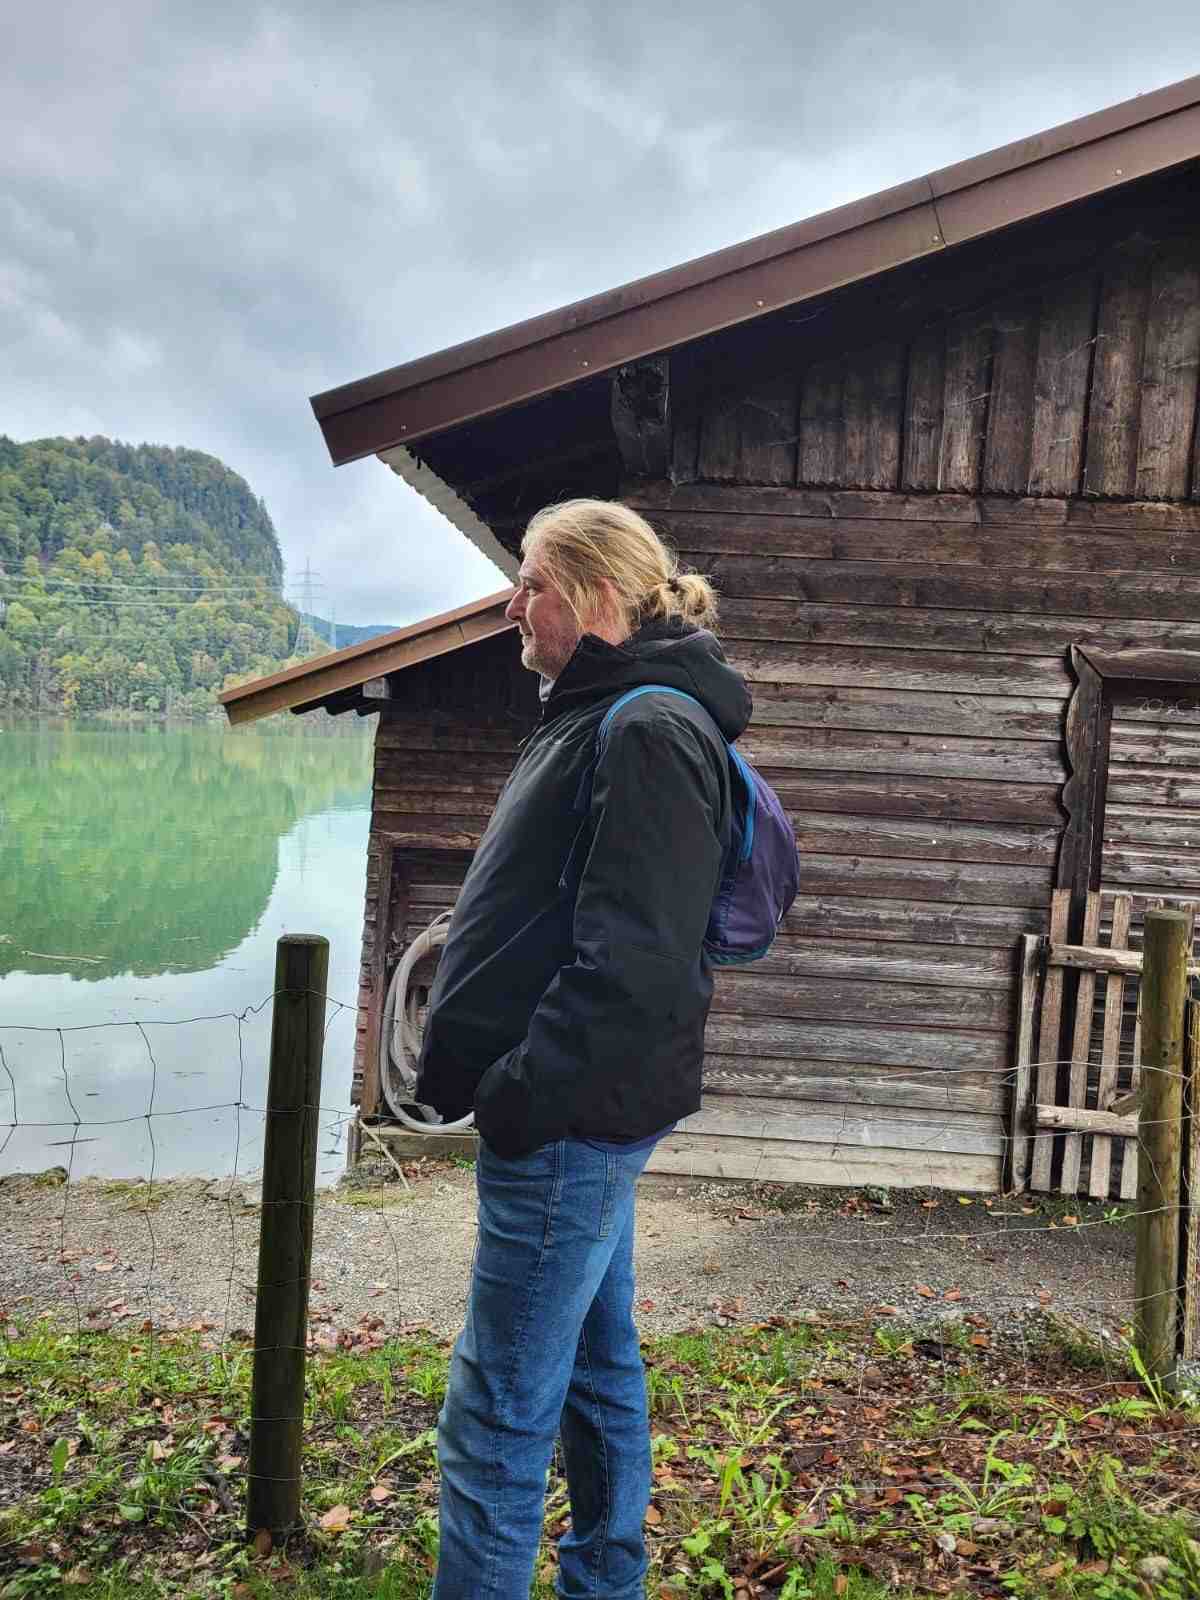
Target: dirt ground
(109, 1254)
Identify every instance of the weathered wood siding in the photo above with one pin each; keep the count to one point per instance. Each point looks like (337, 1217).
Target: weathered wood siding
(443, 748)
(908, 660)
(907, 538)
(908, 532)
(1151, 841)
(1083, 386)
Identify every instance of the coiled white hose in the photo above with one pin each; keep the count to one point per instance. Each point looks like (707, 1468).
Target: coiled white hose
(400, 1038)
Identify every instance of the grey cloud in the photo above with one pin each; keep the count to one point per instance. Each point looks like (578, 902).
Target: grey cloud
(209, 212)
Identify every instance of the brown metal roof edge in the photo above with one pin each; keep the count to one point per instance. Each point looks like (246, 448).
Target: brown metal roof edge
(1102, 150)
(345, 669)
(612, 302)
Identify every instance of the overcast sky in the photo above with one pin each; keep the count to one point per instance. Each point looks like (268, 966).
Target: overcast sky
(211, 210)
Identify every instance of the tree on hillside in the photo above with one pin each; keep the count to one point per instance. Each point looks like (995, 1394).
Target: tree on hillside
(133, 578)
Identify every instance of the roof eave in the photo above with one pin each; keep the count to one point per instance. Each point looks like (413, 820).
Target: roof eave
(313, 682)
(969, 200)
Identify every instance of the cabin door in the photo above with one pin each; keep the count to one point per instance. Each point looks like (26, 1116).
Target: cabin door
(1132, 843)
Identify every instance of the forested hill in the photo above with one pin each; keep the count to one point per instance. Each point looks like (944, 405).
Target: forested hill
(134, 578)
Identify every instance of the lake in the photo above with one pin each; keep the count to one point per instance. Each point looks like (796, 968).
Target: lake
(145, 876)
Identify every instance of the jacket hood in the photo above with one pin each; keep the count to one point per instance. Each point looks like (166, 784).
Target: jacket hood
(674, 653)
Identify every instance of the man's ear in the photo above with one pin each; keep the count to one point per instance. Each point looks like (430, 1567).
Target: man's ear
(606, 618)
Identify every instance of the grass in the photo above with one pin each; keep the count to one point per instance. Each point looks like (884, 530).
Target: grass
(791, 1461)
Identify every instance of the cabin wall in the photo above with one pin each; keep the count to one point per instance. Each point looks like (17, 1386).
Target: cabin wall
(443, 749)
(1083, 385)
(907, 539)
(908, 530)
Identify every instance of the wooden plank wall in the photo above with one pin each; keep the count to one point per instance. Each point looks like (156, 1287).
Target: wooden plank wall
(908, 660)
(1082, 386)
(1151, 842)
(906, 539)
(444, 746)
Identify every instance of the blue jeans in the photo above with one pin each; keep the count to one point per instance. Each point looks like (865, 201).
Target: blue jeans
(549, 1347)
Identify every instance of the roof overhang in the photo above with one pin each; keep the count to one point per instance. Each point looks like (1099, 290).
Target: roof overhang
(311, 684)
(936, 213)
(452, 506)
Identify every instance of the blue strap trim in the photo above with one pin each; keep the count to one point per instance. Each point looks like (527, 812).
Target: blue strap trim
(751, 801)
(634, 694)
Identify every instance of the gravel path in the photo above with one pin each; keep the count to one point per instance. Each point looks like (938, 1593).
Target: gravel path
(185, 1252)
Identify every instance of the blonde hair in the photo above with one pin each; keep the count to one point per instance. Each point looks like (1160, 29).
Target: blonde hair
(581, 543)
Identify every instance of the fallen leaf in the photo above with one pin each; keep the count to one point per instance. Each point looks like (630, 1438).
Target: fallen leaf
(104, 1266)
(653, 1516)
(1054, 1570)
(841, 1583)
(981, 1341)
(1070, 1222)
(952, 1294)
(379, 1493)
(965, 1200)
(77, 1576)
(887, 1311)
(336, 1519)
(967, 1547)
(924, 1290)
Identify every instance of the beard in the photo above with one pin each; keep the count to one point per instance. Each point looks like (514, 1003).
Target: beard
(548, 654)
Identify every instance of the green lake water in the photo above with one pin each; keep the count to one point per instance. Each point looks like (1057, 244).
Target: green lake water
(145, 876)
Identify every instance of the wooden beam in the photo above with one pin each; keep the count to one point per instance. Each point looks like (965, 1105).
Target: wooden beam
(1078, 1119)
(1048, 1040)
(641, 416)
(1018, 1153)
(1093, 958)
(377, 689)
(1077, 1070)
(1110, 1045)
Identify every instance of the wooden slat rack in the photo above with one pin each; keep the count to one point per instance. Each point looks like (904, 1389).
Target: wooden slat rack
(1085, 993)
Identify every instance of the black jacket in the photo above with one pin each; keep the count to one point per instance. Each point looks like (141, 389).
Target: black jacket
(572, 992)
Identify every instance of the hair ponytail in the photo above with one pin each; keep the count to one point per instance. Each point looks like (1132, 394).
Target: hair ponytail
(582, 544)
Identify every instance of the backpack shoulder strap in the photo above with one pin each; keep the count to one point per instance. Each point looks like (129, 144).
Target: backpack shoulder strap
(635, 694)
(583, 796)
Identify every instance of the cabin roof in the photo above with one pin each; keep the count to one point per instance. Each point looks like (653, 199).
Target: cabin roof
(392, 410)
(343, 672)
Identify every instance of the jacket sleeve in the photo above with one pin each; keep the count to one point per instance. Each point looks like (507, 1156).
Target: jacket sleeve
(641, 911)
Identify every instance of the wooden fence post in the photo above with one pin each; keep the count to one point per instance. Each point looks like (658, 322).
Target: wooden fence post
(285, 1236)
(1189, 1266)
(1166, 946)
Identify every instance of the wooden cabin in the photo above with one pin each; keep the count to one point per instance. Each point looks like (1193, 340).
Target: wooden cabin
(938, 452)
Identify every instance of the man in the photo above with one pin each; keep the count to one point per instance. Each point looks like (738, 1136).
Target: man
(568, 1011)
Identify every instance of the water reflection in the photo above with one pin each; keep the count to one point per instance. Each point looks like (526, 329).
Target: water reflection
(148, 851)
(172, 862)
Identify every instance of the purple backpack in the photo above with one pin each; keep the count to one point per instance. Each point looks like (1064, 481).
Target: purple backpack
(760, 873)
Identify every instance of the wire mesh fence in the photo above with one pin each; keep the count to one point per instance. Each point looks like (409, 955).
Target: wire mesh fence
(88, 1255)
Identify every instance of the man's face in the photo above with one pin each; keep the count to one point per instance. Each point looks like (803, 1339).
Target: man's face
(549, 631)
